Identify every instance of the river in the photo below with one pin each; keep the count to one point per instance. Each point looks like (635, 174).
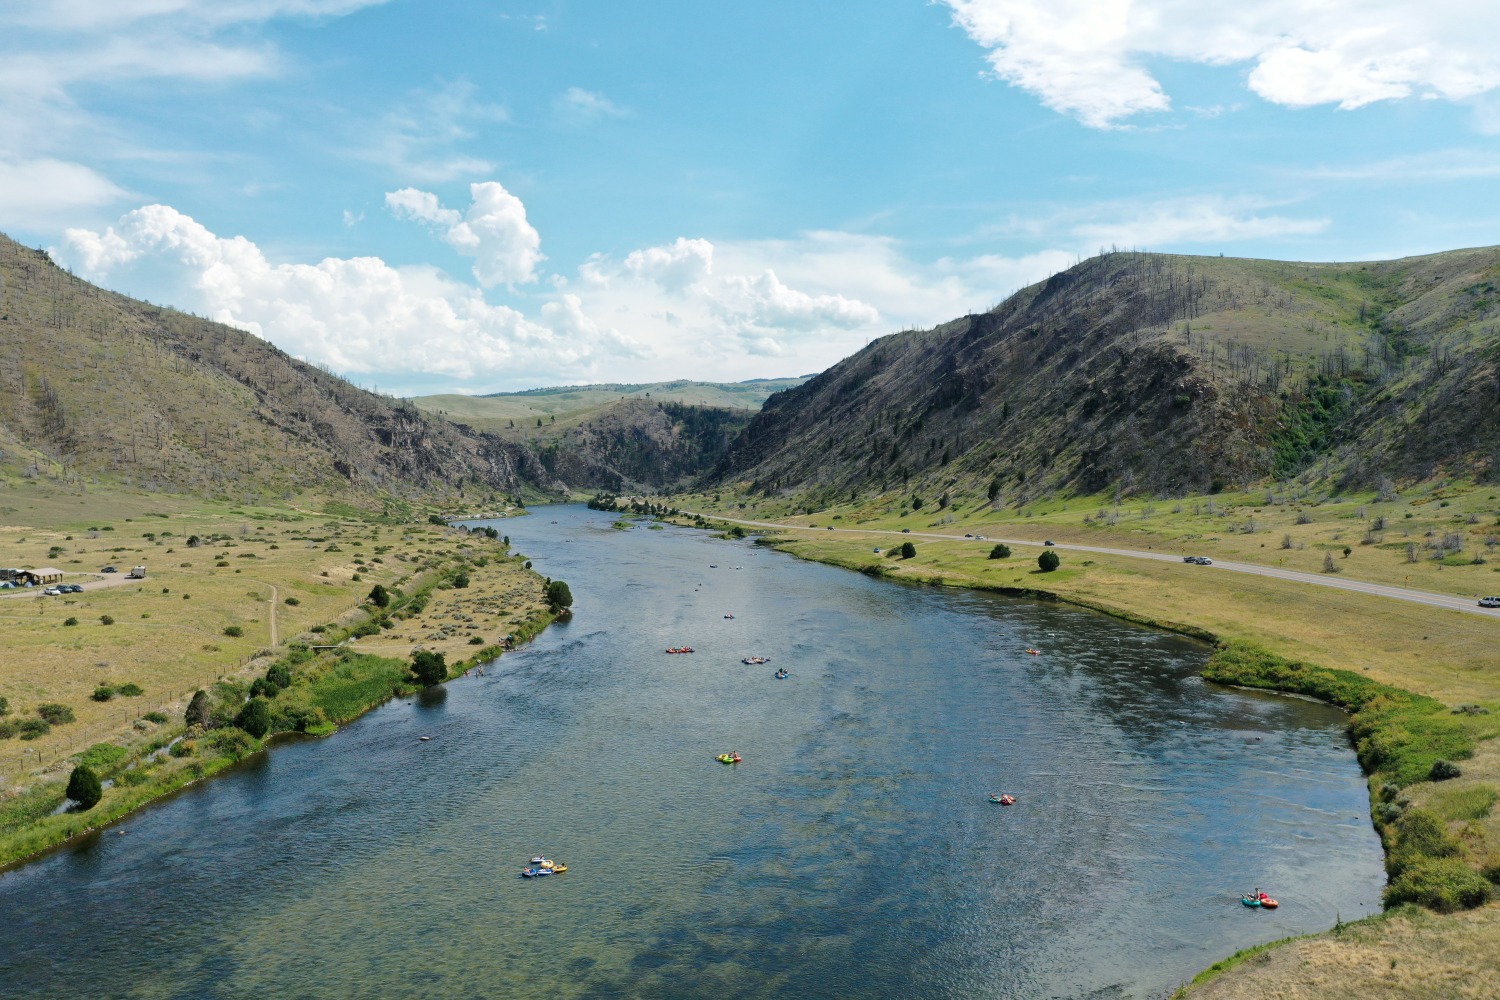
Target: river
(852, 853)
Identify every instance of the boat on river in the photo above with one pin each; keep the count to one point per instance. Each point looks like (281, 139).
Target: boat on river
(680, 649)
(755, 661)
(1003, 799)
(728, 758)
(781, 674)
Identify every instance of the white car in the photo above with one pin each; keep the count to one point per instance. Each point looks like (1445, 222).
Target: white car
(52, 592)
(1489, 602)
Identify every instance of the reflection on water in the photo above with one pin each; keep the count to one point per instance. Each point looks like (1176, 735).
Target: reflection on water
(852, 853)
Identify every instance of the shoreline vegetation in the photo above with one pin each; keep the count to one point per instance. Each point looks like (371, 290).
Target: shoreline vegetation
(328, 676)
(1431, 765)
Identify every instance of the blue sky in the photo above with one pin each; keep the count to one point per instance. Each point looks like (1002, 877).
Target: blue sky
(479, 196)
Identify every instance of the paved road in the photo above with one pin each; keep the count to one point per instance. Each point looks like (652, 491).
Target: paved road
(1317, 579)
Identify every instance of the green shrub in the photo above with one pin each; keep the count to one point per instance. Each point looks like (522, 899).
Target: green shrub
(157, 717)
(234, 743)
(559, 597)
(106, 620)
(1048, 561)
(460, 579)
(262, 688)
(429, 668)
(70, 620)
(55, 714)
(1000, 552)
(379, 596)
(130, 690)
(30, 729)
(200, 710)
(4, 706)
(103, 693)
(102, 757)
(1443, 770)
(280, 675)
(475, 640)
(255, 717)
(182, 748)
(291, 602)
(1441, 884)
(84, 787)
(234, 631)
(908, 550)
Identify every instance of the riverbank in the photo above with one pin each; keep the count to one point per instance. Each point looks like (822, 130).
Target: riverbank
(463, 594)
(1401, 687)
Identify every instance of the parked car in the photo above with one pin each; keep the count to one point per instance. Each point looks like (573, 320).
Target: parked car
(109, 569)
(1049, 542)
(1489, 602)
(72, 588)
(967, 535)
(52, 592)
(979, 538)
(905, 531)
(830, 527)
(1189, 559)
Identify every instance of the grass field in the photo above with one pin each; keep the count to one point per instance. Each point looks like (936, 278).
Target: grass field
(219, 575)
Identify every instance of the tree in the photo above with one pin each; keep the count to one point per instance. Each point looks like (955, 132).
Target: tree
(994, 490)
(559, 597)
(461, 579)
(430, 668)
(436, 519)
(84, 787)
(379, 596)
(916, 502)
(279, 675)
(255, 717)
(200, 710)
(1048, 561)
(1329, 566)
(908, 550)
(1001, 551)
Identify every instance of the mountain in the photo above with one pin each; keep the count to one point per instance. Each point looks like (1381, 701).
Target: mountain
(95, 385)
(654, 437)
(1158, 374)
(500, 410)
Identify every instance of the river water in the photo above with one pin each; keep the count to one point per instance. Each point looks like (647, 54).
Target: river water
(852, 853)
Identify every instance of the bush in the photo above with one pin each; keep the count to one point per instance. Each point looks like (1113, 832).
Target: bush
(30, 729)
(103, 693)
(1000, 552)
(101, 757)
(70, 620)
(279, 675)
(84, 787)
(476, 640)
(157, 717)
(430, 668)
(291, 602)
(255, 717)
(1442, 884)
(460, 579)
(262, 688)
(908, 550)
(233, 631)
(4, 706)
(130, 690)
(55, 714)
(236, 744)
(1048, 561)
(559, 597)
(1443, 770)
(106, 620)
(182, 748)
(379, 596)
(199, 710)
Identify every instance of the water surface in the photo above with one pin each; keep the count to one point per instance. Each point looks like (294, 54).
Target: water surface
(851, 854)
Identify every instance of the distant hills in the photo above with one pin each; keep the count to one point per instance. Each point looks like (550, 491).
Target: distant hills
(1161, 375)
(1142, 373)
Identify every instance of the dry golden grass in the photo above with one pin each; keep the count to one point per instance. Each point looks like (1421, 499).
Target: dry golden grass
(168, 630)
(1413, 955)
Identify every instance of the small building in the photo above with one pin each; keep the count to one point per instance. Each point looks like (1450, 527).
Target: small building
(44, 577)
(9, 575)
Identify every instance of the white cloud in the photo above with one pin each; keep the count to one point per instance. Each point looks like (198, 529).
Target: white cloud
(1154, 225)
(1087, 58)
(494, 231)
(675, 266)
(420, 139)
(357, 315)
(1443, 165)
(35, 192)
(586, 105)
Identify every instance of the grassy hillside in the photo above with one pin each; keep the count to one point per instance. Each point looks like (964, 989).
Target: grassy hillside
(96, 386)
(1161, 375)
(499, 411)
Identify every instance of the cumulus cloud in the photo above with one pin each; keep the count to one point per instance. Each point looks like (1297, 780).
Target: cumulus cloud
(358, 315)
(494, 231)
(1186, 220)
(675, 266)
(1088, 58)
